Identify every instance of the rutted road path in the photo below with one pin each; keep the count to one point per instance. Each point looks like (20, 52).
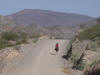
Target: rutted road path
(39, 59)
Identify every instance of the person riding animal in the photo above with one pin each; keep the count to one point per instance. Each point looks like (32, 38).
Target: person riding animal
(57, 47)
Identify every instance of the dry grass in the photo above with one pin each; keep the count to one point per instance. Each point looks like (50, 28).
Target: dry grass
(67, 71)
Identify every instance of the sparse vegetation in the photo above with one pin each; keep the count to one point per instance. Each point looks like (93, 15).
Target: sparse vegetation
(95, 68)
(82, 26)
(93, 64)
(79, 64)
(21, 41)
(69, 48)
(98, 20)
(4, 43)
(90, 33)
(74, 59)
(35, 40)
(7, 37)
(69, 53)
(94, 45)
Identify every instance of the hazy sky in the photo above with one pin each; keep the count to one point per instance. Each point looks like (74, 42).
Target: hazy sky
(86, 7)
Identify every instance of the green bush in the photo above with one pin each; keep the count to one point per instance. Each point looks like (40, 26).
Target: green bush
(35, 40)
(4, 43)
(21, 41)
(90, 33)
(78, 63)
(23, 37)
(9, 36)
(74, 59)
(80, 66)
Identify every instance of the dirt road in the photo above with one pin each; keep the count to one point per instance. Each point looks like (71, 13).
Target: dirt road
(40, 59)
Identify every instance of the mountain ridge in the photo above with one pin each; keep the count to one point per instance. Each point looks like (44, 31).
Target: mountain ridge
(47, 17)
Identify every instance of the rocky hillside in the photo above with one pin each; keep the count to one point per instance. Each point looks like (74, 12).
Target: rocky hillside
(5, 24)
(84, 52)
(35, 29)
(58, 32)
(48, 18)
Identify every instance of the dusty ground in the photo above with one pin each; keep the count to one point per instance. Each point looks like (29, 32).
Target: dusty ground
(39, 59)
